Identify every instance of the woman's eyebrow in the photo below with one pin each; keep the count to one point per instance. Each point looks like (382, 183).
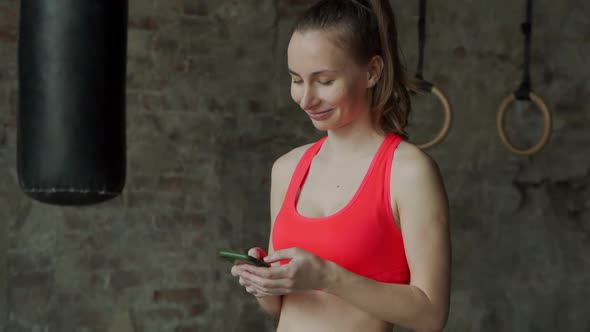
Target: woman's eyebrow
(317, 72)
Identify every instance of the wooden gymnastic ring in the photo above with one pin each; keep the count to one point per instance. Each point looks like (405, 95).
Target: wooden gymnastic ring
(448, 115)
(546, 128)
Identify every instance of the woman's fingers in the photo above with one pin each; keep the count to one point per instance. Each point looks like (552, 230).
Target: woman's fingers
(244, 282)
(268, 284)
(259, 286)
(234, 271)
(254, 253)
(260, 291)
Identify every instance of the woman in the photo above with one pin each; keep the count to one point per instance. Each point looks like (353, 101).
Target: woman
(359, 219)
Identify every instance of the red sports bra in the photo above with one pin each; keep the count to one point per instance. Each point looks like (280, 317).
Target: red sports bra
(361, 237)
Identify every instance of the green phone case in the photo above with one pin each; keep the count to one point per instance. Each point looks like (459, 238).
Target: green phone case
(236, 257)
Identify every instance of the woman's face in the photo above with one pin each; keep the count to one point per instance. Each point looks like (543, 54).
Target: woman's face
(326, 82)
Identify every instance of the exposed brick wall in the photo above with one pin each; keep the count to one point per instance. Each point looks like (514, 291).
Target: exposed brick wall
(209, 111)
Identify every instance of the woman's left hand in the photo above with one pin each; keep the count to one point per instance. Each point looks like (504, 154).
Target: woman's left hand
(305, 271)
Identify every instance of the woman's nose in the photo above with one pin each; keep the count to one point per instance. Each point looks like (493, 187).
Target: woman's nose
(309, 99)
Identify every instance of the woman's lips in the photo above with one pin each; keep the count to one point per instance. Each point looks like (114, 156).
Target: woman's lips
(318, 116)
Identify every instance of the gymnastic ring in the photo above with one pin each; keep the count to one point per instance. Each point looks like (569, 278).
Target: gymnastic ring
(448, 115)
(546, 128)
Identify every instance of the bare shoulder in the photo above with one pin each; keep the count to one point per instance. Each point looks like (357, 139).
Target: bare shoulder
(284, 166)
(411, 162)
(282, 171)
(414, 170)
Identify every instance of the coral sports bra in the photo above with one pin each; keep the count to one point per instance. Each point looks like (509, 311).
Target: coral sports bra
(361, 237)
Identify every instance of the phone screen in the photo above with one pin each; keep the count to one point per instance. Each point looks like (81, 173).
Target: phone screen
(239, 258)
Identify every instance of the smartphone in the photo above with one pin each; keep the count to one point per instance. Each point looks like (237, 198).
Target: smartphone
(239, 258)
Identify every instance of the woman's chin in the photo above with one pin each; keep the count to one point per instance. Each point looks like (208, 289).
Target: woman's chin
(321, 126)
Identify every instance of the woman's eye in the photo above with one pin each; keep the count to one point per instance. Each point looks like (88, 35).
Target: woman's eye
(296, 81)
(329, 82)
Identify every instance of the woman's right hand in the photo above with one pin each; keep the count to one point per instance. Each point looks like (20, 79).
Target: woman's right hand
(237, 271)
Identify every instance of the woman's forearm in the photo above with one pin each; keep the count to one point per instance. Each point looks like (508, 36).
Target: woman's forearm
(271, 304)
(403, 305)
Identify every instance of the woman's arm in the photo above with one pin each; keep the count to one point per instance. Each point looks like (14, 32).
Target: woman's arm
(423, 213)
(270, 304)
(281, 173)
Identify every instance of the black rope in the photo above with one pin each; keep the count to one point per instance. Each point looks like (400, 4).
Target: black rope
(422, 83)
(527, 28)
(421, 38)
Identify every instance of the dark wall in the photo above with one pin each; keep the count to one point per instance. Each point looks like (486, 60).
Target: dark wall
(209, 111)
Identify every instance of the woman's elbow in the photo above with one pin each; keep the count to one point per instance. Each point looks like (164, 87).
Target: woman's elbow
(273, 311)
(271, 305)
(436, 321)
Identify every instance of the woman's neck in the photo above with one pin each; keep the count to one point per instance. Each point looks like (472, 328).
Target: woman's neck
(358, 139)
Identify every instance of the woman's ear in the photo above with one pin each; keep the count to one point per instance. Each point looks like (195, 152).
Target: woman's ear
(374, 71)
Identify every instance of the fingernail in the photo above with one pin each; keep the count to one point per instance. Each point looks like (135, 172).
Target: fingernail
(266, 259)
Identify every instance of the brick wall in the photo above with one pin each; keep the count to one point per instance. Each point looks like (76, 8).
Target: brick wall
(209, 111)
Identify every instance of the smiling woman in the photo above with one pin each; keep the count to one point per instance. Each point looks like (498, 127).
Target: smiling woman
(332, 95)
(359, 219)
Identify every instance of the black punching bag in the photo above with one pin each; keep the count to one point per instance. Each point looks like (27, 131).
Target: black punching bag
(71, 119)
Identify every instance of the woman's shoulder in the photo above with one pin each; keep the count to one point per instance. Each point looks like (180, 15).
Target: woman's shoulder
(416, 177)
(285, 164)
(411, 162)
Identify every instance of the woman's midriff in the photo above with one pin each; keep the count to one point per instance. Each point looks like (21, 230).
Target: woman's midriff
(317, 311)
